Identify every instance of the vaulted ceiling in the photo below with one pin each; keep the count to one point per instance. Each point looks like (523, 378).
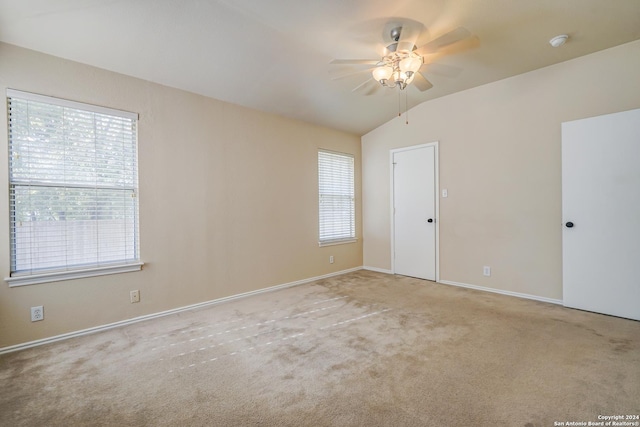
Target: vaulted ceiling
(273, 55)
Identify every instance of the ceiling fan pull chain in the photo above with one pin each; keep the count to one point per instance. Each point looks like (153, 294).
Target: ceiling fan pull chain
(399, 103)
(406, 107)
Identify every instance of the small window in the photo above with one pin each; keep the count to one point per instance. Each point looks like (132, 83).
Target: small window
(336, 198)
(73, 189)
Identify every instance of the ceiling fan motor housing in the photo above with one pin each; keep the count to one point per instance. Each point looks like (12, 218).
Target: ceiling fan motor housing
(395, 33)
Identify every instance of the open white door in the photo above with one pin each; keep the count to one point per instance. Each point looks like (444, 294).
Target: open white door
(601, 214)
(414, 207)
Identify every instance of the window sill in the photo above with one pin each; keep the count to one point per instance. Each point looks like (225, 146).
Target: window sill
(34, 279)
(336, 242)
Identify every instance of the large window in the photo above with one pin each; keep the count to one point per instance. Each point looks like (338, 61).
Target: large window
(336, 198)
(73, 189)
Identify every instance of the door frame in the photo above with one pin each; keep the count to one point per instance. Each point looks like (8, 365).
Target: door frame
(437, 202)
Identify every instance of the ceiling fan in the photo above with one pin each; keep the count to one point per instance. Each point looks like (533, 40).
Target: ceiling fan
(403, 63)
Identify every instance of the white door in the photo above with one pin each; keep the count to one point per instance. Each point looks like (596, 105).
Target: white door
(414, 226)
(601, 214)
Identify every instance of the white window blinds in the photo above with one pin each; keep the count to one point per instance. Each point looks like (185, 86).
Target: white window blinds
(336, 197)
(73, 185)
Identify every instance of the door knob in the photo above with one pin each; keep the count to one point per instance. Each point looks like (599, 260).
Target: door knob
(569, 224)
(430, 220)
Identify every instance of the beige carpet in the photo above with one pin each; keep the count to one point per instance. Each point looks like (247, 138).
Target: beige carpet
(362, 349)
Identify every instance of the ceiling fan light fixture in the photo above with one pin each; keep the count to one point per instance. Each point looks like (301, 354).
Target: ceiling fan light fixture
(397, 69)
(382, 73)
(411, 64)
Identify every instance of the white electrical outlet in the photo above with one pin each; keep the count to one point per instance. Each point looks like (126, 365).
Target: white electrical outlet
(134, 296)
(331, 259)
(37, 313)
(486, 270)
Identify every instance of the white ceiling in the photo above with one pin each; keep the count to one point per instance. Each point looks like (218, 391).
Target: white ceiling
(273, 55)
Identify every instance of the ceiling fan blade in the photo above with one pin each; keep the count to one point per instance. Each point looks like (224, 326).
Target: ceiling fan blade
(363, 84)
(354, 61)
(458, 47)
(373, 89)
(421, 82)
(441, 70)
(352, 73)
(409, 36)
(468, 43)
(446, 39)
(388, 92)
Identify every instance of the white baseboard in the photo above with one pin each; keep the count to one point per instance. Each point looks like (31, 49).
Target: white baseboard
(95, 329)
(376, 269)
(502, 292)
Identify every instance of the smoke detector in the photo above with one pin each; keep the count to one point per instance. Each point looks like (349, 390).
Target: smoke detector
(558, 41)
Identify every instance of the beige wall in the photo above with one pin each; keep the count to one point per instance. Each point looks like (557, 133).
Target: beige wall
(500, 162)
(228, 201)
